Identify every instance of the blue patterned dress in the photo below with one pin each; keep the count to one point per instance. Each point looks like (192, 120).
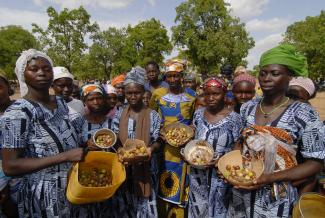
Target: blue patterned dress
(124, 202)
(41, 133)
(208, 194)
(302, 122)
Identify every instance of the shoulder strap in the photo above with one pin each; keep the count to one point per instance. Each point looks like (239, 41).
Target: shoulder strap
(46, 127)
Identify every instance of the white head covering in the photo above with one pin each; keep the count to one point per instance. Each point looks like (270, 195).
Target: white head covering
(21, 64)
(303, 82)
(110, 89)
(61, 72)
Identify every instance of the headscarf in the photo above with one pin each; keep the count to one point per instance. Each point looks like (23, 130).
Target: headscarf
(287, 55)
(91, 88)
(305, 83)
(61, 72)
(175, 67)
(190, 77)
(21, 64)
(110, 89)
(118, 79)
(240, 70)
(226, 69)
(136, 75)
(215, 82)
(244, 77)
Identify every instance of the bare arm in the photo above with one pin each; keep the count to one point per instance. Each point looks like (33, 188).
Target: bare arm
(14, 164)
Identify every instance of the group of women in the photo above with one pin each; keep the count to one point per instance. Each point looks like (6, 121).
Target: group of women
(42, 135)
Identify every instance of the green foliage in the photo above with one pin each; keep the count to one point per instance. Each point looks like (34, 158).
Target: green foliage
(308, 37)
(106, 52)
(64, 38)
(209, 36)
(146, 41)
(13, 40)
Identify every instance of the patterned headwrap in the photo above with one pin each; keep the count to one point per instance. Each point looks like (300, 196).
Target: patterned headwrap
(244, 77)
(110, 89)
(287, 55)
(91, 88)
(21, 64)
(303, 82)
(136, 75)
(118, 79)
(215, 82)
(175, 67)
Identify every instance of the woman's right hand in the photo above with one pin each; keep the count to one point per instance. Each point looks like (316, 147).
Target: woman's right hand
(75, 155)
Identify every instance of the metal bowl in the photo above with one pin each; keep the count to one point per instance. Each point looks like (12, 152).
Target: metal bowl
(189, 131)
(105, 132)
(195, 148)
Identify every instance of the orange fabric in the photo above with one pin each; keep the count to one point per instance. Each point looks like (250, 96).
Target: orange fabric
(118, 79)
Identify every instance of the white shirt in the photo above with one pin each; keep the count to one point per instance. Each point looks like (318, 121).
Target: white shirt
(76, 106)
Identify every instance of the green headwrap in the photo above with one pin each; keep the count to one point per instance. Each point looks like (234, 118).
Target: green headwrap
(287, 55)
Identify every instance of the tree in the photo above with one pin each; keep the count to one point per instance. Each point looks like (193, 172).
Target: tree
(308, 37)
(14, 40)
(209, 36)
(106, 51)
(64, 38)
(146, 41)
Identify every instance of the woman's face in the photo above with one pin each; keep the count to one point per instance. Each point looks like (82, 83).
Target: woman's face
(146, 98)
(95, 102)
(39, 74)
(274, 78)
(111, 100)
(174, 79)
(298, 93)
(134, 94)
(213, 97)
(243, 92)
(4, 91)
(63, 87)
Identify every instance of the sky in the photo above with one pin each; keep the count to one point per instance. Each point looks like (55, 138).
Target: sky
(266, 20)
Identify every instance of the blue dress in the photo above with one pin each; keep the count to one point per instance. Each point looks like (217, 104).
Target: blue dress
(302, 122)
(124, 202)
(208, 194)
(41, 133)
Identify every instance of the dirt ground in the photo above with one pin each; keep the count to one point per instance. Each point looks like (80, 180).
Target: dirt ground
(318, 102)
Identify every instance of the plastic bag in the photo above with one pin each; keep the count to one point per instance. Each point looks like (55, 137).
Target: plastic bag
(267, 144)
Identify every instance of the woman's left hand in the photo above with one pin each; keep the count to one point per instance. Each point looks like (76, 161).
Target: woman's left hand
(263, 180)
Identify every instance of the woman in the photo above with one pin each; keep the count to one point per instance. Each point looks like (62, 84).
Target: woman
(218, 125)
(243, 88)
(300, 120)
(63, 87)
(94, 97)
(111, 100)
(39, 140)
(174, 104)
(8, 186)
(137, 197)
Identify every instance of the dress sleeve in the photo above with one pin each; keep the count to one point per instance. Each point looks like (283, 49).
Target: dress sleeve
(155, 125)
(14, 127)
(311, 132)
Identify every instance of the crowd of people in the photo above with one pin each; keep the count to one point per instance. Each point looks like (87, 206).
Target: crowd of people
(42, 135)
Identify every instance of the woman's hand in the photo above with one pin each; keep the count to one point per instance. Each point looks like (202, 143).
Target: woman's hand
(91, 145)
(75, 155)
(263, 180)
